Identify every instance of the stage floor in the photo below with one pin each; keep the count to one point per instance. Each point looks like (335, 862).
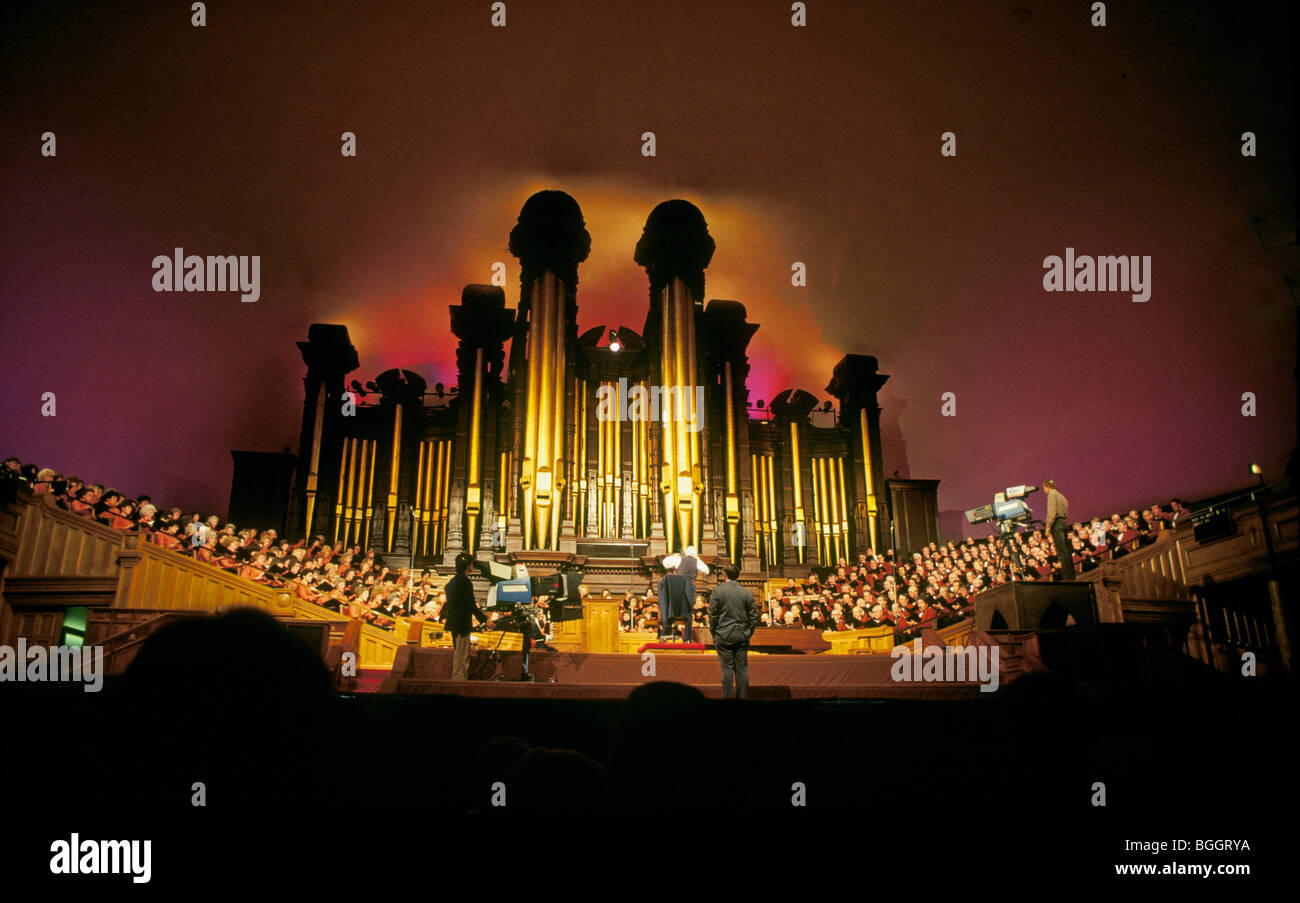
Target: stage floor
(580, 675)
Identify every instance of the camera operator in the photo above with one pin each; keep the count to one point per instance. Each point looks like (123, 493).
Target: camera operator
(1058, 506)
(459, 613)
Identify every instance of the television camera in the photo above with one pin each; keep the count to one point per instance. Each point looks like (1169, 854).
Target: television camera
(1008, 511)
(512, 593)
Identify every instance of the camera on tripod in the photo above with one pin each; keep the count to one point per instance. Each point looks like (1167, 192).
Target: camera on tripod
(1008, 509)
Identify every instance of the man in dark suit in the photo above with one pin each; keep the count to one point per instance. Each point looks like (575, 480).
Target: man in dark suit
(732, 619)
(458, 614)
(674, 602)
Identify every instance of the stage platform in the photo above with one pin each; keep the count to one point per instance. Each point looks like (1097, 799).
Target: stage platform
(578, 675)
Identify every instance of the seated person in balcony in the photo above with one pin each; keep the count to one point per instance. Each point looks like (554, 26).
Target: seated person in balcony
(46, 477)
(877, 617)
(71, 489)
(145, 516)
(255, 569)
(224, 555)
(108, 506)
(897, 615)
(167, 537)
(925, 615)
(87, 498)
(125, 516)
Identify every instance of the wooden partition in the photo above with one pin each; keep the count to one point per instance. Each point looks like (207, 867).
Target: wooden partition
(600, 625)
(868, 640)
(53, 559)
(153, 577)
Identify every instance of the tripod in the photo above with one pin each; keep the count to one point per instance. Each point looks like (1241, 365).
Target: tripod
(1009, 549)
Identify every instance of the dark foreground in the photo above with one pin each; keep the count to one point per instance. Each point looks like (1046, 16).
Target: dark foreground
(303, 785)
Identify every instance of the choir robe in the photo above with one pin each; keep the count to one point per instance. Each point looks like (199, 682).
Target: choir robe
(167, 541)
(117, 521)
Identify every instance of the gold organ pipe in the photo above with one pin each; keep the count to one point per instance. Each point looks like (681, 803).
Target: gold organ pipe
(430, 515)
(545, 456)
(769, 463)
(352, 488)
(819, 517)
(616, 424)
(580, 521)
(362, 527)
(692, 434)
(313, 475)
(601, 435)
(832, 523)
(733, 499)
(759, 496)
(798, 486)
(682, 458)
(419, 501)
(560, 381)
(647, 475)
(503, 479)
(575, 481)
(844, 511)
(870, 480)
(633, 486)
(393, 474)
(529, 474)
(340, 497)
(475, 488)
(443, 493)
(828, 506)
(833, 487)
(667, 450)
(369, 451)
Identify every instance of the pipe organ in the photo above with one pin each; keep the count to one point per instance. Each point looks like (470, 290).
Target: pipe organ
(547, 439)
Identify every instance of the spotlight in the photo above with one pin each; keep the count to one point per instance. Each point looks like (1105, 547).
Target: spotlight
(439, 389)
(760, 404)
(614, 344)
(356, 387)
(1256, 469)
(827, 407)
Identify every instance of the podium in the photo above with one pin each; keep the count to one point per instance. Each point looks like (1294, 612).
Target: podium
(1033, 606)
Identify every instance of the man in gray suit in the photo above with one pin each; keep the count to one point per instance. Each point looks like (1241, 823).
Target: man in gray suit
(732, 619)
